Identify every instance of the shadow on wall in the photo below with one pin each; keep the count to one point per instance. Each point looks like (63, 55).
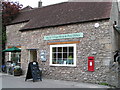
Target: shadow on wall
(119, 75)
(117, 59)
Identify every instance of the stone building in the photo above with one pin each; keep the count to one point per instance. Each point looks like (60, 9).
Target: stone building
(62, 36)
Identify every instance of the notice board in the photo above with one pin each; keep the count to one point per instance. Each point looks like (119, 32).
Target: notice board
(34, 72)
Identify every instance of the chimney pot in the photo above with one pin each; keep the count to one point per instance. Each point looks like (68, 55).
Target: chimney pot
(40, 3)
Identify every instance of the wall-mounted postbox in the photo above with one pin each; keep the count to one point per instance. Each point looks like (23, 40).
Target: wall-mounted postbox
(91, 63)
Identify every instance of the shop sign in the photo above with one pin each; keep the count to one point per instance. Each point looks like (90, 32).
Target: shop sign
(63, 36)
(43, 56)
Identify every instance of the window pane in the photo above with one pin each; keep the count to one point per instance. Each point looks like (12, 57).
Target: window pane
(13, 54)
(64, 49)
(70, 56)
(14, 57)
(54, 61)
(64, 59)
(59, 55)
(60, 61)
(71, 49)
(64, 55)
(54, 55)
(70, 61)
(59, 49)
(54, 49)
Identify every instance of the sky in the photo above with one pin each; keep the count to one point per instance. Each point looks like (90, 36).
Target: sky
(34, 3)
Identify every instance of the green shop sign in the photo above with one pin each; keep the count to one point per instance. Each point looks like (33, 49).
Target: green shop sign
(63, 36)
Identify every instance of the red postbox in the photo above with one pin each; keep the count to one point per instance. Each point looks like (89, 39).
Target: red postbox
(91, 63)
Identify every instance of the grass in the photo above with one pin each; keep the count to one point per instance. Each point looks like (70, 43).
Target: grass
(104, 84)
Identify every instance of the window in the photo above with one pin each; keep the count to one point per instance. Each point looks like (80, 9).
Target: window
(63, 55)
(15, 57)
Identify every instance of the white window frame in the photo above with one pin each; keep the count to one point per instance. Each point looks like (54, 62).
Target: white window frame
(9, 53)
(63, 45)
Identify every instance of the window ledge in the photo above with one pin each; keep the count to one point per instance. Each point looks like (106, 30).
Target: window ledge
(58, 65)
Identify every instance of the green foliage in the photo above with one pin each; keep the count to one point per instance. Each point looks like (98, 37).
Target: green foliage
(70, 57)
(17, 68)
(10, 10)
(104, 84)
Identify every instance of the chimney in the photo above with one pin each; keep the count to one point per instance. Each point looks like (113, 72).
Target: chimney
(40, 3)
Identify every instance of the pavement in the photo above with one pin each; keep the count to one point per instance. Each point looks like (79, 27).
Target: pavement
(10, 81)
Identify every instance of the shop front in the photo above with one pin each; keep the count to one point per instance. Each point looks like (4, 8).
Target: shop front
(62, 52)
(14, 60)
(69, 41)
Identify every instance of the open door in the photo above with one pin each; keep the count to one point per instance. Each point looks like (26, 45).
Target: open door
(32, 55)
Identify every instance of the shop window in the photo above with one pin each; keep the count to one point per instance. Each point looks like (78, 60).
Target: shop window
(14, 57)
(63, 55)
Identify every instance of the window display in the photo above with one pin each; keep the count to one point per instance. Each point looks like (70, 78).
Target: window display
(63, 55)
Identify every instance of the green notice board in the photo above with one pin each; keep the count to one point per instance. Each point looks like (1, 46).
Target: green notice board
(63, 36)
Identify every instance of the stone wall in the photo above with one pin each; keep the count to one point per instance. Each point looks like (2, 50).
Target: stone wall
(99, 42)
(114, 66)
(113, 77)
(13, 36)
(96, 42)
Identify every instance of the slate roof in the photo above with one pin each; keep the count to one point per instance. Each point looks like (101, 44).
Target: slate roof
(64, 13)
(27, 8)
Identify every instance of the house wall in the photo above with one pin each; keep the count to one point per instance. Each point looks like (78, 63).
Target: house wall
(96, 42)
(114, 78)
(13, 36)
(99, 42)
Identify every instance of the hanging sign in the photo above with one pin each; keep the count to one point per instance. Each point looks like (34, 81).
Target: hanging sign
(63, 36)
(43, 56)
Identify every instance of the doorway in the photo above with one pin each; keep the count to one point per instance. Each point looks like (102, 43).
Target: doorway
(32, 55)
